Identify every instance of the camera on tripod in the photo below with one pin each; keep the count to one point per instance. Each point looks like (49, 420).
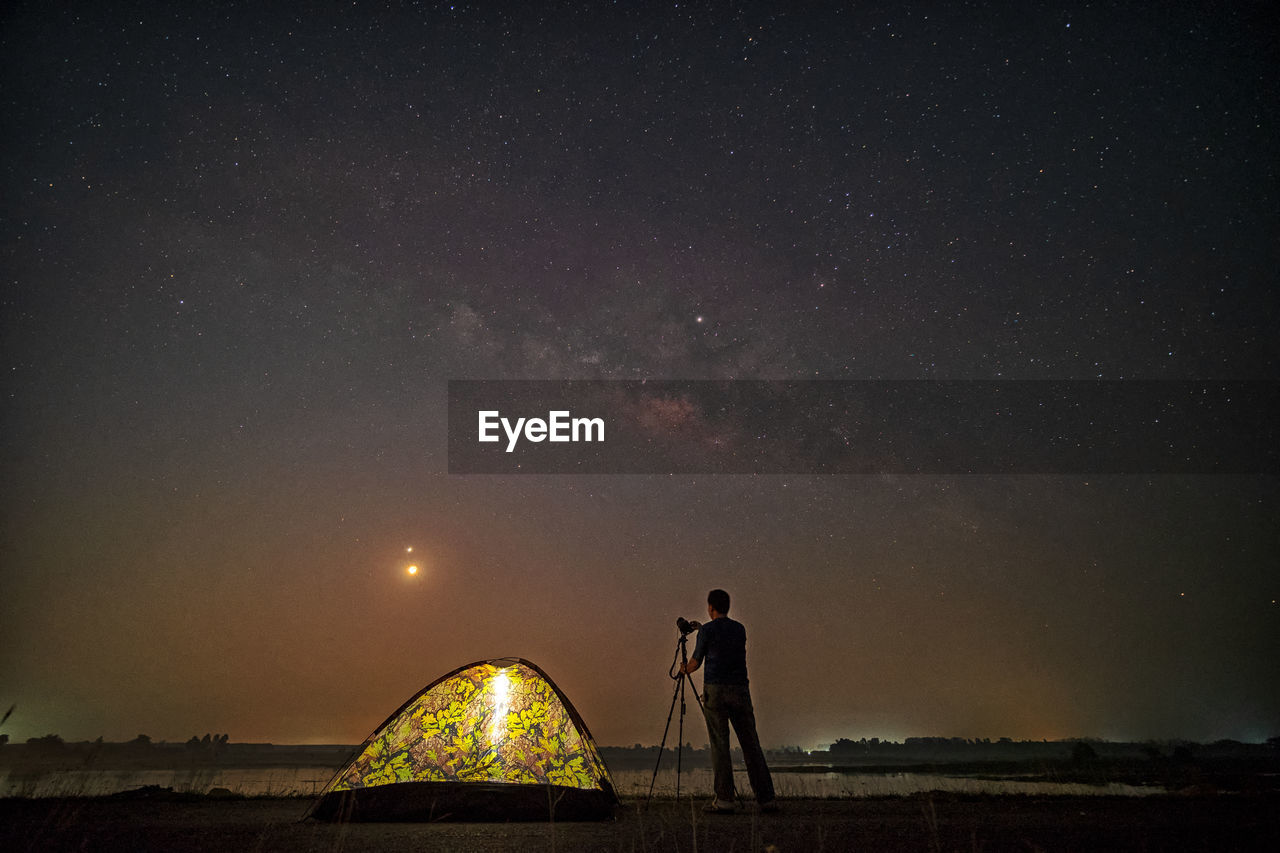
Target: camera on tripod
(685, 626)
(681, 677)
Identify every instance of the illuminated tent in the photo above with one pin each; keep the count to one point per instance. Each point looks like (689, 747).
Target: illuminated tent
(493, 740)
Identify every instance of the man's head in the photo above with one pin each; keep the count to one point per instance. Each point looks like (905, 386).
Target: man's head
(718, 602)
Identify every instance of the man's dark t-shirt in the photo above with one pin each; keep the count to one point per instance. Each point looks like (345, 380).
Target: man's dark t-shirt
(722, 648)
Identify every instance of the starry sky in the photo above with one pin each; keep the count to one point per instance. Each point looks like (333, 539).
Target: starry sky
(245, 248)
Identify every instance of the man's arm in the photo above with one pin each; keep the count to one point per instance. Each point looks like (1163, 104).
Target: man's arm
(699, 651)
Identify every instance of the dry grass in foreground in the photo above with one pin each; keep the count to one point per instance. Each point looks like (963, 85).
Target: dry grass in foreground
(169, 822)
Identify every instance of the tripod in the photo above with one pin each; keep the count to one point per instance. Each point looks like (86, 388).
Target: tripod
(680, 676)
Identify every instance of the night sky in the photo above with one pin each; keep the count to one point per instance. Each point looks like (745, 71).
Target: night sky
(245, 249)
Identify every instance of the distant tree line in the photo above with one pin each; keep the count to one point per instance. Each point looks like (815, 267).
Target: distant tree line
(1078, 749)
(209, 744)
(52, 745)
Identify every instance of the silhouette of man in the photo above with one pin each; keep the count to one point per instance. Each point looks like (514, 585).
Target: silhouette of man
(726, 698)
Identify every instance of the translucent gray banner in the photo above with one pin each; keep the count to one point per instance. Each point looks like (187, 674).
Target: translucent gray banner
(862, 427)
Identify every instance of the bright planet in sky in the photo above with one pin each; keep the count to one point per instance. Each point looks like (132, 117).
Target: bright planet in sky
(413, 570)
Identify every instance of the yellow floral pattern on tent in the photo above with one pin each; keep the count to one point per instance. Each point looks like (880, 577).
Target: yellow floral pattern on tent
(487, 723)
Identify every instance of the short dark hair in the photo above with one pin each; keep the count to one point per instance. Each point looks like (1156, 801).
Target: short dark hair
(719, 600)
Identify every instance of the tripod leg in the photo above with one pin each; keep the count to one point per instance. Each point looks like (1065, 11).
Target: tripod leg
(676, 694)
(680, 738)
(695, 693)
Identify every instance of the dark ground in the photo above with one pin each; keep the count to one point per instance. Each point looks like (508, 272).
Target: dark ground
(924, 822)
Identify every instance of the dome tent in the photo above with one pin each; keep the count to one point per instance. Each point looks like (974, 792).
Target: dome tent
(492, 740)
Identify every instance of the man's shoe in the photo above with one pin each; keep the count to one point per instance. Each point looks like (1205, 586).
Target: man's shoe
(770, 806)
(719, 807)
